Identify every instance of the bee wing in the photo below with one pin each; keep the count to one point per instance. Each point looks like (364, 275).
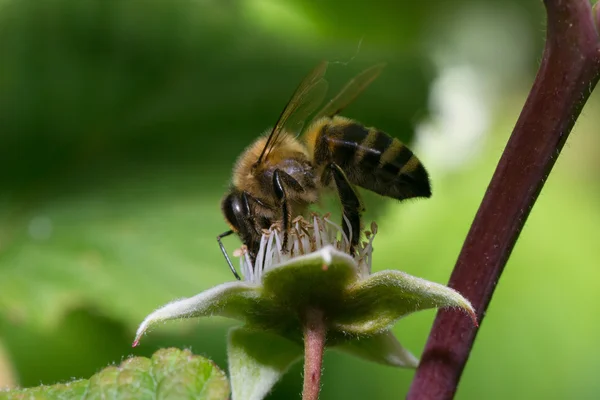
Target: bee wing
(305, 100)
(350, 92)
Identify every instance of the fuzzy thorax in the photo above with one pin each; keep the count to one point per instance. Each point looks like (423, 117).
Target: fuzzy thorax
(305, 237)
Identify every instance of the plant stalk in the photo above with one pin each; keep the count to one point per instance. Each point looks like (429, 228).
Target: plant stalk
(568, 73)
(314, 346)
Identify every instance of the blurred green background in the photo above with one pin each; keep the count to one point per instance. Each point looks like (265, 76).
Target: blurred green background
(120, 121)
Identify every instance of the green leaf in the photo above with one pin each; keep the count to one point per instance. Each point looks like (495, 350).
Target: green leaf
(121, 250)
(170, 373)
(382, 348)
(257, 360)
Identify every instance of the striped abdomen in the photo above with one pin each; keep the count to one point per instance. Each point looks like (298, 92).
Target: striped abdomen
(371, 159)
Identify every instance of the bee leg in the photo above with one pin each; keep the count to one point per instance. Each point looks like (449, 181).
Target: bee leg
(250, 232)
(279, 189)
(219, 237)
(282, 179)
(351, 204)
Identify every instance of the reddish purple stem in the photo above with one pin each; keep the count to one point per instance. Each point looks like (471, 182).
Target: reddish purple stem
(568, 73)
(315, 333)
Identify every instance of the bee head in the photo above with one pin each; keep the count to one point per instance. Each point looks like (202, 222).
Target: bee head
(235, 208)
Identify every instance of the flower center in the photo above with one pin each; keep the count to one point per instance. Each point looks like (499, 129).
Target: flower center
(305, 237)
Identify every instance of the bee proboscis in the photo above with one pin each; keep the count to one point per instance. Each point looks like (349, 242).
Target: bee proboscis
(278, 176)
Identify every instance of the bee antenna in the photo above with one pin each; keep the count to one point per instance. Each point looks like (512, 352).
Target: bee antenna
(219, 237)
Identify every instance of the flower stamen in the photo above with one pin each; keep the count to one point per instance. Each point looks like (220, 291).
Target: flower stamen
(305, 237)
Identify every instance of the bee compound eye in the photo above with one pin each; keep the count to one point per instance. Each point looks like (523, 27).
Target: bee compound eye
(231, 207)
(236, 208)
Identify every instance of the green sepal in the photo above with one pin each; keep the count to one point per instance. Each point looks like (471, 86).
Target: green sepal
(231, 299)
(372, 305)
(257, 360)
(382, 348)
(328, 280)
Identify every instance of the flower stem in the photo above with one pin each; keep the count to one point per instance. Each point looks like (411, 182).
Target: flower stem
(314, 346)
(568, 73)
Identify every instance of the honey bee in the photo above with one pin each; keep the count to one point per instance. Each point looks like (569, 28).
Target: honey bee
(278, 176)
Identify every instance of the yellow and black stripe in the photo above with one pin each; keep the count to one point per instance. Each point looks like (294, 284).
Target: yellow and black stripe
(372, 159)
